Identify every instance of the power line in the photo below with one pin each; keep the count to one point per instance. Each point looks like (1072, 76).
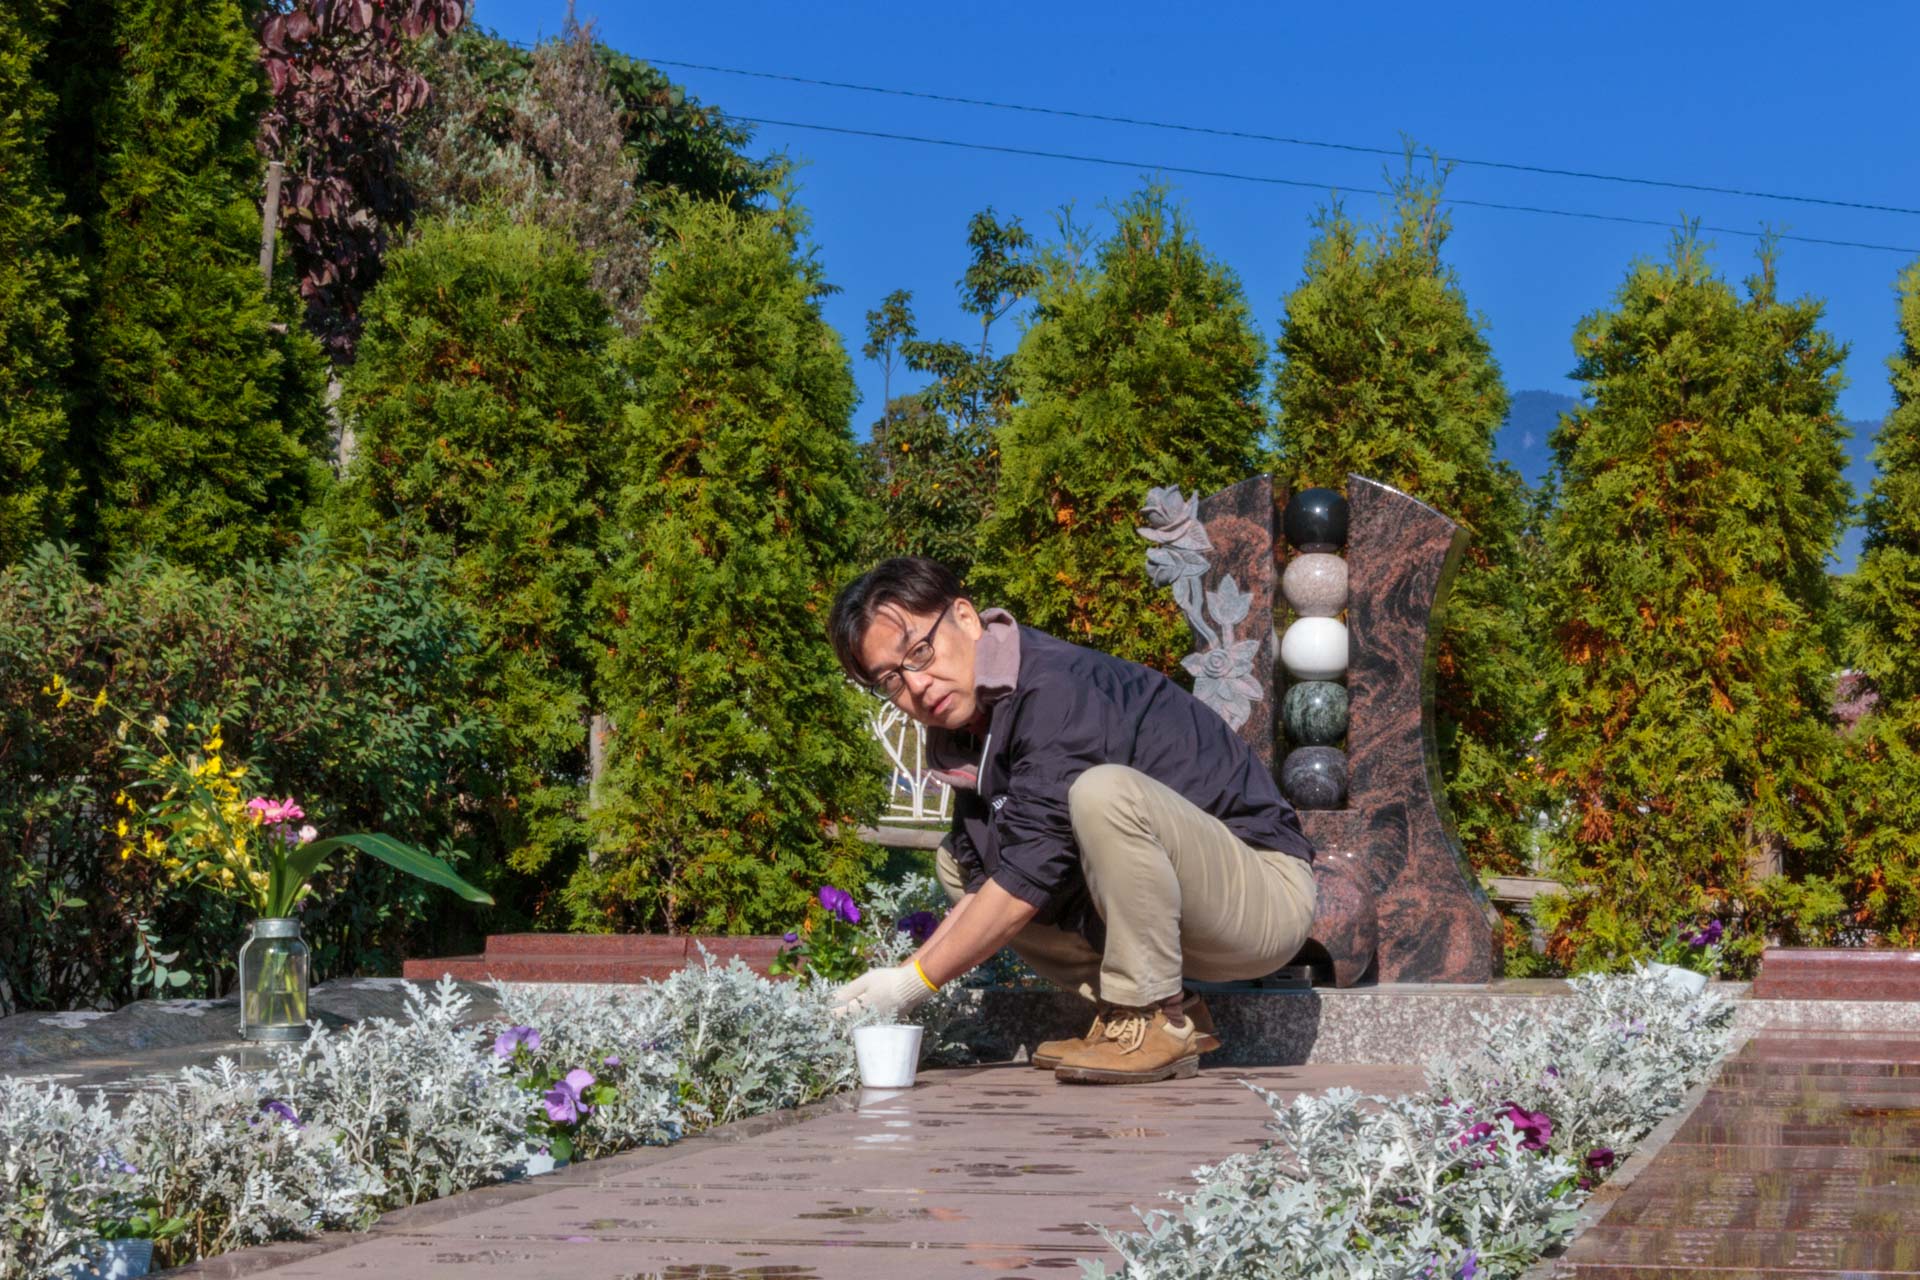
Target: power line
(1140, 165)
(1247, 135)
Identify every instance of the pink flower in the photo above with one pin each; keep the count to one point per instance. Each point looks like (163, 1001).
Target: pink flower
(273, 813)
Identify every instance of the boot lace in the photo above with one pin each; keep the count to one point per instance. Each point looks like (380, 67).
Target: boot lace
(1127, 1028)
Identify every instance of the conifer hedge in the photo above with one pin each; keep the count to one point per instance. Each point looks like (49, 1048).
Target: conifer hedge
(1139, 368)
(1688, 740)
(736, 740)
(201, 403)
(1383, 371)
(37, 277)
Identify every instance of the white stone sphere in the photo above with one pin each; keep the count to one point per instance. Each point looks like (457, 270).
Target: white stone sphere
(1315, 649)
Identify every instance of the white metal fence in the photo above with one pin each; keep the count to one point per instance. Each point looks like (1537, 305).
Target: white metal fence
(914, 796)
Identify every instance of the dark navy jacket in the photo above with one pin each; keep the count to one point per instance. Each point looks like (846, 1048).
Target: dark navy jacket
(1073, 708)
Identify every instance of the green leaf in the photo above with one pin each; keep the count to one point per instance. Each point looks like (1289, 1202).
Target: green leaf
(177, 978)
(303, 862)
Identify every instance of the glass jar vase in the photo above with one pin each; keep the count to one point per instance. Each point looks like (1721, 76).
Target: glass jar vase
(273, 982)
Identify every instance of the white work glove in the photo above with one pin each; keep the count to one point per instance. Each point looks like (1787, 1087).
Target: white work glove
(888, 992)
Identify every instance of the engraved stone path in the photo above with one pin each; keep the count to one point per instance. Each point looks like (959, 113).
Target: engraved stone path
(978, 1173)
(1802, 1161)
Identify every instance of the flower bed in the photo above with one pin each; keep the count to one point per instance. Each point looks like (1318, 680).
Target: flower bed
(388, 1113)
(1475, 1179)
(391, 1112)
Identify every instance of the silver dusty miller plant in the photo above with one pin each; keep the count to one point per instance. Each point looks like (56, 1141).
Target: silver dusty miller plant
(58, 1162)
(1475, 1179)
(1222, 668)
(420, 1104)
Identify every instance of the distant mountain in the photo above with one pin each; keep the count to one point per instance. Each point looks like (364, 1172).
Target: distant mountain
(1532, 416)
(1522, 439)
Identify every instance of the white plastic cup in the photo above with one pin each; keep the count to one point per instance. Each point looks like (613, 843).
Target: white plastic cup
(888, 1054)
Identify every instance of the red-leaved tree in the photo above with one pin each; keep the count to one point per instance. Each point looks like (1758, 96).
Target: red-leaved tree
(341, 92)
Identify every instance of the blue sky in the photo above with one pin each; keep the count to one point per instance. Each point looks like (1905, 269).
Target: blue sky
(1793, 99)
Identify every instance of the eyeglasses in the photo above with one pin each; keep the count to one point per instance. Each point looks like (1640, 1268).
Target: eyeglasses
(919, 657)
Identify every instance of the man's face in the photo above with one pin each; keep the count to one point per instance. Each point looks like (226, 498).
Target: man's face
(941, 693)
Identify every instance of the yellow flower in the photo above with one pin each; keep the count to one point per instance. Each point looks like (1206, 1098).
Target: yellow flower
(126, 852)
(215, 742)
(120, 829)
(66, 696)
(99, 700)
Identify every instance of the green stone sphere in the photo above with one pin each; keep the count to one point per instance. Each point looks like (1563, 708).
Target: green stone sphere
(1314, 713)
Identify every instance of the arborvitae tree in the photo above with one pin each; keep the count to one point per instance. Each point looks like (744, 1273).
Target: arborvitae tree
(1139, 369)
(553, 149)
(37, 277)
(485, 395)
(1385, 372)
(1880, 864)
(740, 757)
(203, 425)
(1687, 732)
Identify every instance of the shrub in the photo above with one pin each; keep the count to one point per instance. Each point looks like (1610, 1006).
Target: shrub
(1139, 370)
(483, 399)
(1687, 734)
(737, 743)
(341, 678)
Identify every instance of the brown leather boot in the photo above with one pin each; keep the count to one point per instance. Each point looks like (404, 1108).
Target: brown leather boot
(1136, 1046)
(1046, 1054)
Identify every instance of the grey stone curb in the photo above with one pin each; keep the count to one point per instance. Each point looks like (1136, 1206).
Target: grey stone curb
(1642, 1158)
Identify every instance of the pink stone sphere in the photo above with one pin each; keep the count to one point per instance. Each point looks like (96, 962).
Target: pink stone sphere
(1315, 584)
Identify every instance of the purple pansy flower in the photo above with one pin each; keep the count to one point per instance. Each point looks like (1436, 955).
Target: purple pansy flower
(1535, 1125)
(564, 1104)
(1707, 936)
(789, 937)
(1600, 1158)
(1474, 1135)
(840, 903)
(1470, 1265)
(274, 1106)
(919, 925)
(514, 1038)
(611, 1060)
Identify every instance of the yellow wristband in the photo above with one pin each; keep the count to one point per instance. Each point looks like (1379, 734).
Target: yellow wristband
(923, 975)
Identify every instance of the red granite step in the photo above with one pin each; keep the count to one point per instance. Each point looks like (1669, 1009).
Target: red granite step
(591, 957)
(1833, 973)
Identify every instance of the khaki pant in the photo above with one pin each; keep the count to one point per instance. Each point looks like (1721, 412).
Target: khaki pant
(1181, 896)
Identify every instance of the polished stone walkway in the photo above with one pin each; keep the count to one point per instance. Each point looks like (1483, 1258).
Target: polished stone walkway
(1802, 1160)
(979, 1173)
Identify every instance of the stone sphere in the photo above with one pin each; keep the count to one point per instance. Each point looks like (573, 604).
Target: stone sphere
(1315, 777)
(1315, 584)
(1316, 520)
(1314, 713)
(1315, 649)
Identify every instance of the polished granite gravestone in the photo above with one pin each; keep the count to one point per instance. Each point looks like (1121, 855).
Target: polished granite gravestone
(1802, 1159)
(1397, 898)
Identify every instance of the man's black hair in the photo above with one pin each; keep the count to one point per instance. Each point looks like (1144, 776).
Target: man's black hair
(913, 583)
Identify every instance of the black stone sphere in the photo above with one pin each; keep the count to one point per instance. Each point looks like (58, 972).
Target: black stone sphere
(1316, 520)
(1315, 777)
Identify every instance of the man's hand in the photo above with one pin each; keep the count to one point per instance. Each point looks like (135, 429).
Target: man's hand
(888, 992)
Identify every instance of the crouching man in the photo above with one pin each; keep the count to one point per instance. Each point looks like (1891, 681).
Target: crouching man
(1107, 825)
